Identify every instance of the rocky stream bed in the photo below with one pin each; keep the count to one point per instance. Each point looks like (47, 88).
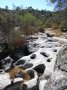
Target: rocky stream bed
(44, 69)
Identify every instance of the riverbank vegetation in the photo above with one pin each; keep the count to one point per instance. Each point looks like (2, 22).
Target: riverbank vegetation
(17, 24)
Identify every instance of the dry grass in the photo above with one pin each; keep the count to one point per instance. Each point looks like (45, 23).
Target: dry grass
(15, 70)
(57, 32)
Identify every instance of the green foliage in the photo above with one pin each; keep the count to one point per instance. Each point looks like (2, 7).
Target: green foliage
(48, 23)
(16, 41)
(59, 4)
(39, 22)
(6, 23)
(53, 1)
(41, 30)
(28, 21)
(64, 24)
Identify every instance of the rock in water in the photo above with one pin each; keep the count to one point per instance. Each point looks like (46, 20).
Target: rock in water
(28, 65)
(55, 50)
(49, 35)
(20, 62)
(48, 60)
(40, 68)
(33, 56)
(44, 54)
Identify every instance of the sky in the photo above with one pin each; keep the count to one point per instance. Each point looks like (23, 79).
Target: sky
(36, 4)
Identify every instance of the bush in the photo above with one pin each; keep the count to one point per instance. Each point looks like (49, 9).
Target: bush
(55, 26)
(30, 30)
(16, 41)
(64, 24)
(41, 30)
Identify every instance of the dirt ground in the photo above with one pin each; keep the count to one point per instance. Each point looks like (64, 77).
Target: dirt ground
(56, 32)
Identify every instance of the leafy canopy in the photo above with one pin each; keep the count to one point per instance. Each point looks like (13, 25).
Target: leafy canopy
(60, 4)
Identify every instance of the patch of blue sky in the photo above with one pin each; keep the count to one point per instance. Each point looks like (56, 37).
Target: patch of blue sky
(36, 4)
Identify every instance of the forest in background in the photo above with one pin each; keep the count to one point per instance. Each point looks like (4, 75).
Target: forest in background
(31, 18)
(19, 21)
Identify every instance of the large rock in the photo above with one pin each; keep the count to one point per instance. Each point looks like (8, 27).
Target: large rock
(61, 60)
(58, 80)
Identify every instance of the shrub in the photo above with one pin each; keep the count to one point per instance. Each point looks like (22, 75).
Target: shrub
(16, 41)
(55, 26)
(41, 30)
(64, 24)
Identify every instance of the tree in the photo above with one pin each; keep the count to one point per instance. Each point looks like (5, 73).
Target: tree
(27, 22)
(60, 16)
(64, 24)
(29, 19)
(60, 4)
(6, 8)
